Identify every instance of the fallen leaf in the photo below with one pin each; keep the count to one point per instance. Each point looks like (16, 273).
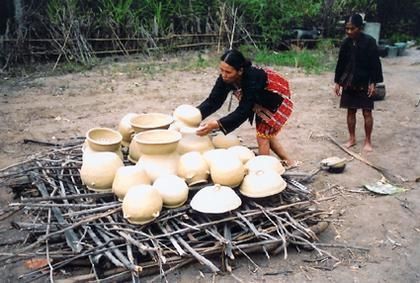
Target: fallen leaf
(36, 263)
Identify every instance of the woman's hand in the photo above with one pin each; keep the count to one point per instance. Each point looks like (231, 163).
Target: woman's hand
(371, 90)
(337, 89)
(206, 128)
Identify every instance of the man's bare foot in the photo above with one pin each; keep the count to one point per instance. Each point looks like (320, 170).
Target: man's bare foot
(350, 143)
(367, 147)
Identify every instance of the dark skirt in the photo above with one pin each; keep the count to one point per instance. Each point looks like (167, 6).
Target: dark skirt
(356, 99)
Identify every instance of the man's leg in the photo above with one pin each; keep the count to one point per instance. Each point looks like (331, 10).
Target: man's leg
(367, 115)
(351, 125)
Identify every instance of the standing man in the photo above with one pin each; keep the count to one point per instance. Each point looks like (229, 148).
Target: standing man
(357, 72)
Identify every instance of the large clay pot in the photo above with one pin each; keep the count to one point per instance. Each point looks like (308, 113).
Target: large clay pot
(87, 150)
(172, 189)
(125, 129)
(158, 141)
(264, 163)
(190, 141)
(262, 183)
(158, 152)
(188, 115)
(227, 171)
(193, 168)
(242, 152)
(215, 199)
(127, 177)
(157, 165)
(103, 139)
(142, 204)
(150, 121)
(98, 170)
(225, 141)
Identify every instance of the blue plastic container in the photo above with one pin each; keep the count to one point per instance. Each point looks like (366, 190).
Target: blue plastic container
(401, 47)
(392, 51)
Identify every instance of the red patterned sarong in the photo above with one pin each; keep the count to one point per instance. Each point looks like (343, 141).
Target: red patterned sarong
(271, 123)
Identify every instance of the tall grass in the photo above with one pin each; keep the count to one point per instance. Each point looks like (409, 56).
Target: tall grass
(317, 60)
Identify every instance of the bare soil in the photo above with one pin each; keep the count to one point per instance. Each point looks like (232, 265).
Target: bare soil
(375, 237)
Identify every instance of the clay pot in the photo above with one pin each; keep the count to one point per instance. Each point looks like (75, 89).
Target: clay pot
(262, 183)
(225, 141)
(87, 150)
(264, 163)
(98, 170)
(127, 177)
(188, 115)
(125, 129)
(215, 199)
(158, 141)
(193, 168)
(142, 204)
(158, 152)
(134, 152)
(103, 139)
(177, 126)
(190, 141)
(213, 154)
(159, 164)
(227, 171)
(150, 121)
(242, 152)
(172, 189)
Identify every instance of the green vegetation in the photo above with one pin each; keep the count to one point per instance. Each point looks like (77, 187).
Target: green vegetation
(318, 60)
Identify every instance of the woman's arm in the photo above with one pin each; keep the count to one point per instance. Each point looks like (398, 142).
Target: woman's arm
(216, 98)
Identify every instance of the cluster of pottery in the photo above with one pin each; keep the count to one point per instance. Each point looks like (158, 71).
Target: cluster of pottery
(167, 157)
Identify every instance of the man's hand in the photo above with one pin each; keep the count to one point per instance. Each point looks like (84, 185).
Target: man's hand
(371, 90)
(337, 89)
(206, 128)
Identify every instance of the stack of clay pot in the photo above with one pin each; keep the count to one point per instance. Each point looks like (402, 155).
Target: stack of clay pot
(158, 155)
(102, 158)
(145, 122)
(169, 157)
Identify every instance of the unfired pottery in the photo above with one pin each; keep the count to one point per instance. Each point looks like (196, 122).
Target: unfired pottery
(215, 199)
(98, 170)
(262, 183)
(190, 141)
(225, 141)
(142, 204)
(87, 150)
(158, 141)
(125, 129)
(158, 152)
(193, 168)
(227, 171)
(172, 189)
(103, 139)
(188, 115)
(242, 152)
(150, 121)
(127, 177)
(264, 163)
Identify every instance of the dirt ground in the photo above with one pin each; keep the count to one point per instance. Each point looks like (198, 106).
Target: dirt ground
(376, 238)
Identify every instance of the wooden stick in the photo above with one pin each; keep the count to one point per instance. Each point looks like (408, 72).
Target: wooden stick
(385, 172)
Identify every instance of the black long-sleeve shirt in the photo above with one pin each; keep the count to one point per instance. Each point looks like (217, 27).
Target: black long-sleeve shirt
(253, 84)
(367, 65)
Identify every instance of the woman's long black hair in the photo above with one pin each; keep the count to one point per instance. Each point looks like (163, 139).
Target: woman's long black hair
(235, 59)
